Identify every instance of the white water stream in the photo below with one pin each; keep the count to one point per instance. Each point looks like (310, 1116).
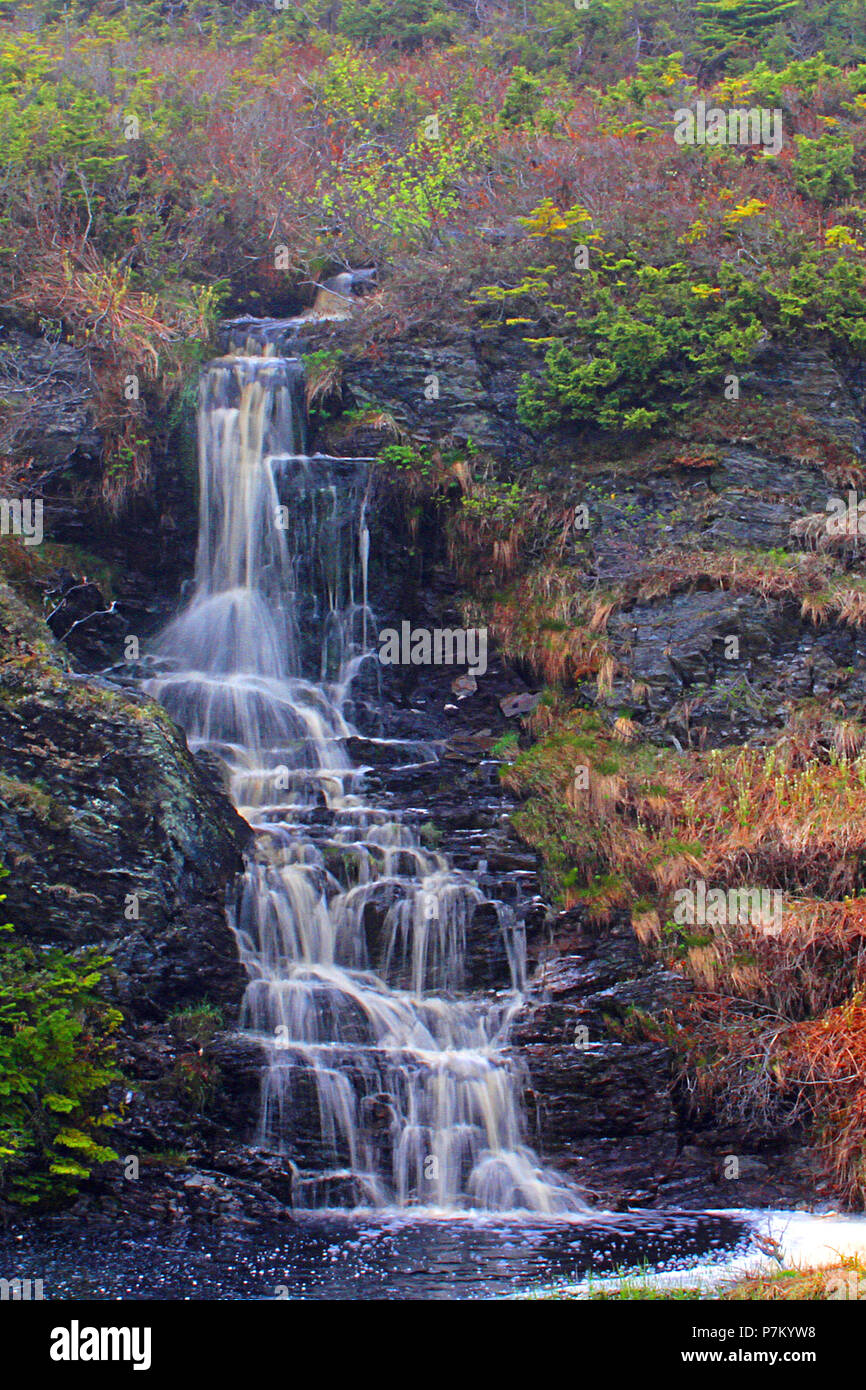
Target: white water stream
(386, 1082)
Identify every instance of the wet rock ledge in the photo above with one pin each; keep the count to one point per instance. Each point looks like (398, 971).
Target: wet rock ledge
(115, 837)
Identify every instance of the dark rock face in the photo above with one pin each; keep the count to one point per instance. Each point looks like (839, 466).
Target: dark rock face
(117, 839)
(187, 1122)
(83, 619)
(806, 379)
(465, 387)
(47, 386)
(680, 647)
(602, 1107)
(113, 836)
(48, 434)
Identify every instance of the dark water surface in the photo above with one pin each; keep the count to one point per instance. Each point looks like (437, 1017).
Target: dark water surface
(364, 1257)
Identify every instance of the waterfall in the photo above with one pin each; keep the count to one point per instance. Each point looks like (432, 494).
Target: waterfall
(385, 1083)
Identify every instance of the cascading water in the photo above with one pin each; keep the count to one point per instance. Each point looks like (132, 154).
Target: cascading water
(383, 1083)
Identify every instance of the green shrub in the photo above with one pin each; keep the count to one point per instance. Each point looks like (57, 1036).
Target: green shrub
(823, 167)
(523, 99)
(197, 1023)
(56, 1060)
(405, 24)
(654, 337)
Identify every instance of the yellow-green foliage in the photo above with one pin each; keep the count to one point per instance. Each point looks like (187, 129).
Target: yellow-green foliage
(56, 1062)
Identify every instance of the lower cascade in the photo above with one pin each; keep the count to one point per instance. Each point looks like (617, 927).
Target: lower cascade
(385, 1082)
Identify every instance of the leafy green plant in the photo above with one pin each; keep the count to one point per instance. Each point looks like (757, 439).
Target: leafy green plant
(56, 1061)
(506, 746)
(495, 502)
(429, 834)
(323, 374)
(406, 456)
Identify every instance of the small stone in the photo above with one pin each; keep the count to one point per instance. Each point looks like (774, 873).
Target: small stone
(464, 685)
(521, 702)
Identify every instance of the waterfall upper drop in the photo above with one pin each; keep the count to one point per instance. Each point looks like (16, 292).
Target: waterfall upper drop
(384, 1083)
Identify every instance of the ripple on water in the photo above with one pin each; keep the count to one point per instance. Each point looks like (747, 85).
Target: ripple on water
(349, 1256)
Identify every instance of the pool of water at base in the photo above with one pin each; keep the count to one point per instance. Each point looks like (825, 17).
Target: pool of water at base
(341, 1256)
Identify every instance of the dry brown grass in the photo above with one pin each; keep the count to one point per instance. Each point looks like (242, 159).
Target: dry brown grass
(96, 299)
(843, 1280)
(556, 627)
(126, 333)
(553, 622)
(810, 579)
(323, 381)
(482, 541)
(775, 1034)
(790, 815)
(813, 534)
